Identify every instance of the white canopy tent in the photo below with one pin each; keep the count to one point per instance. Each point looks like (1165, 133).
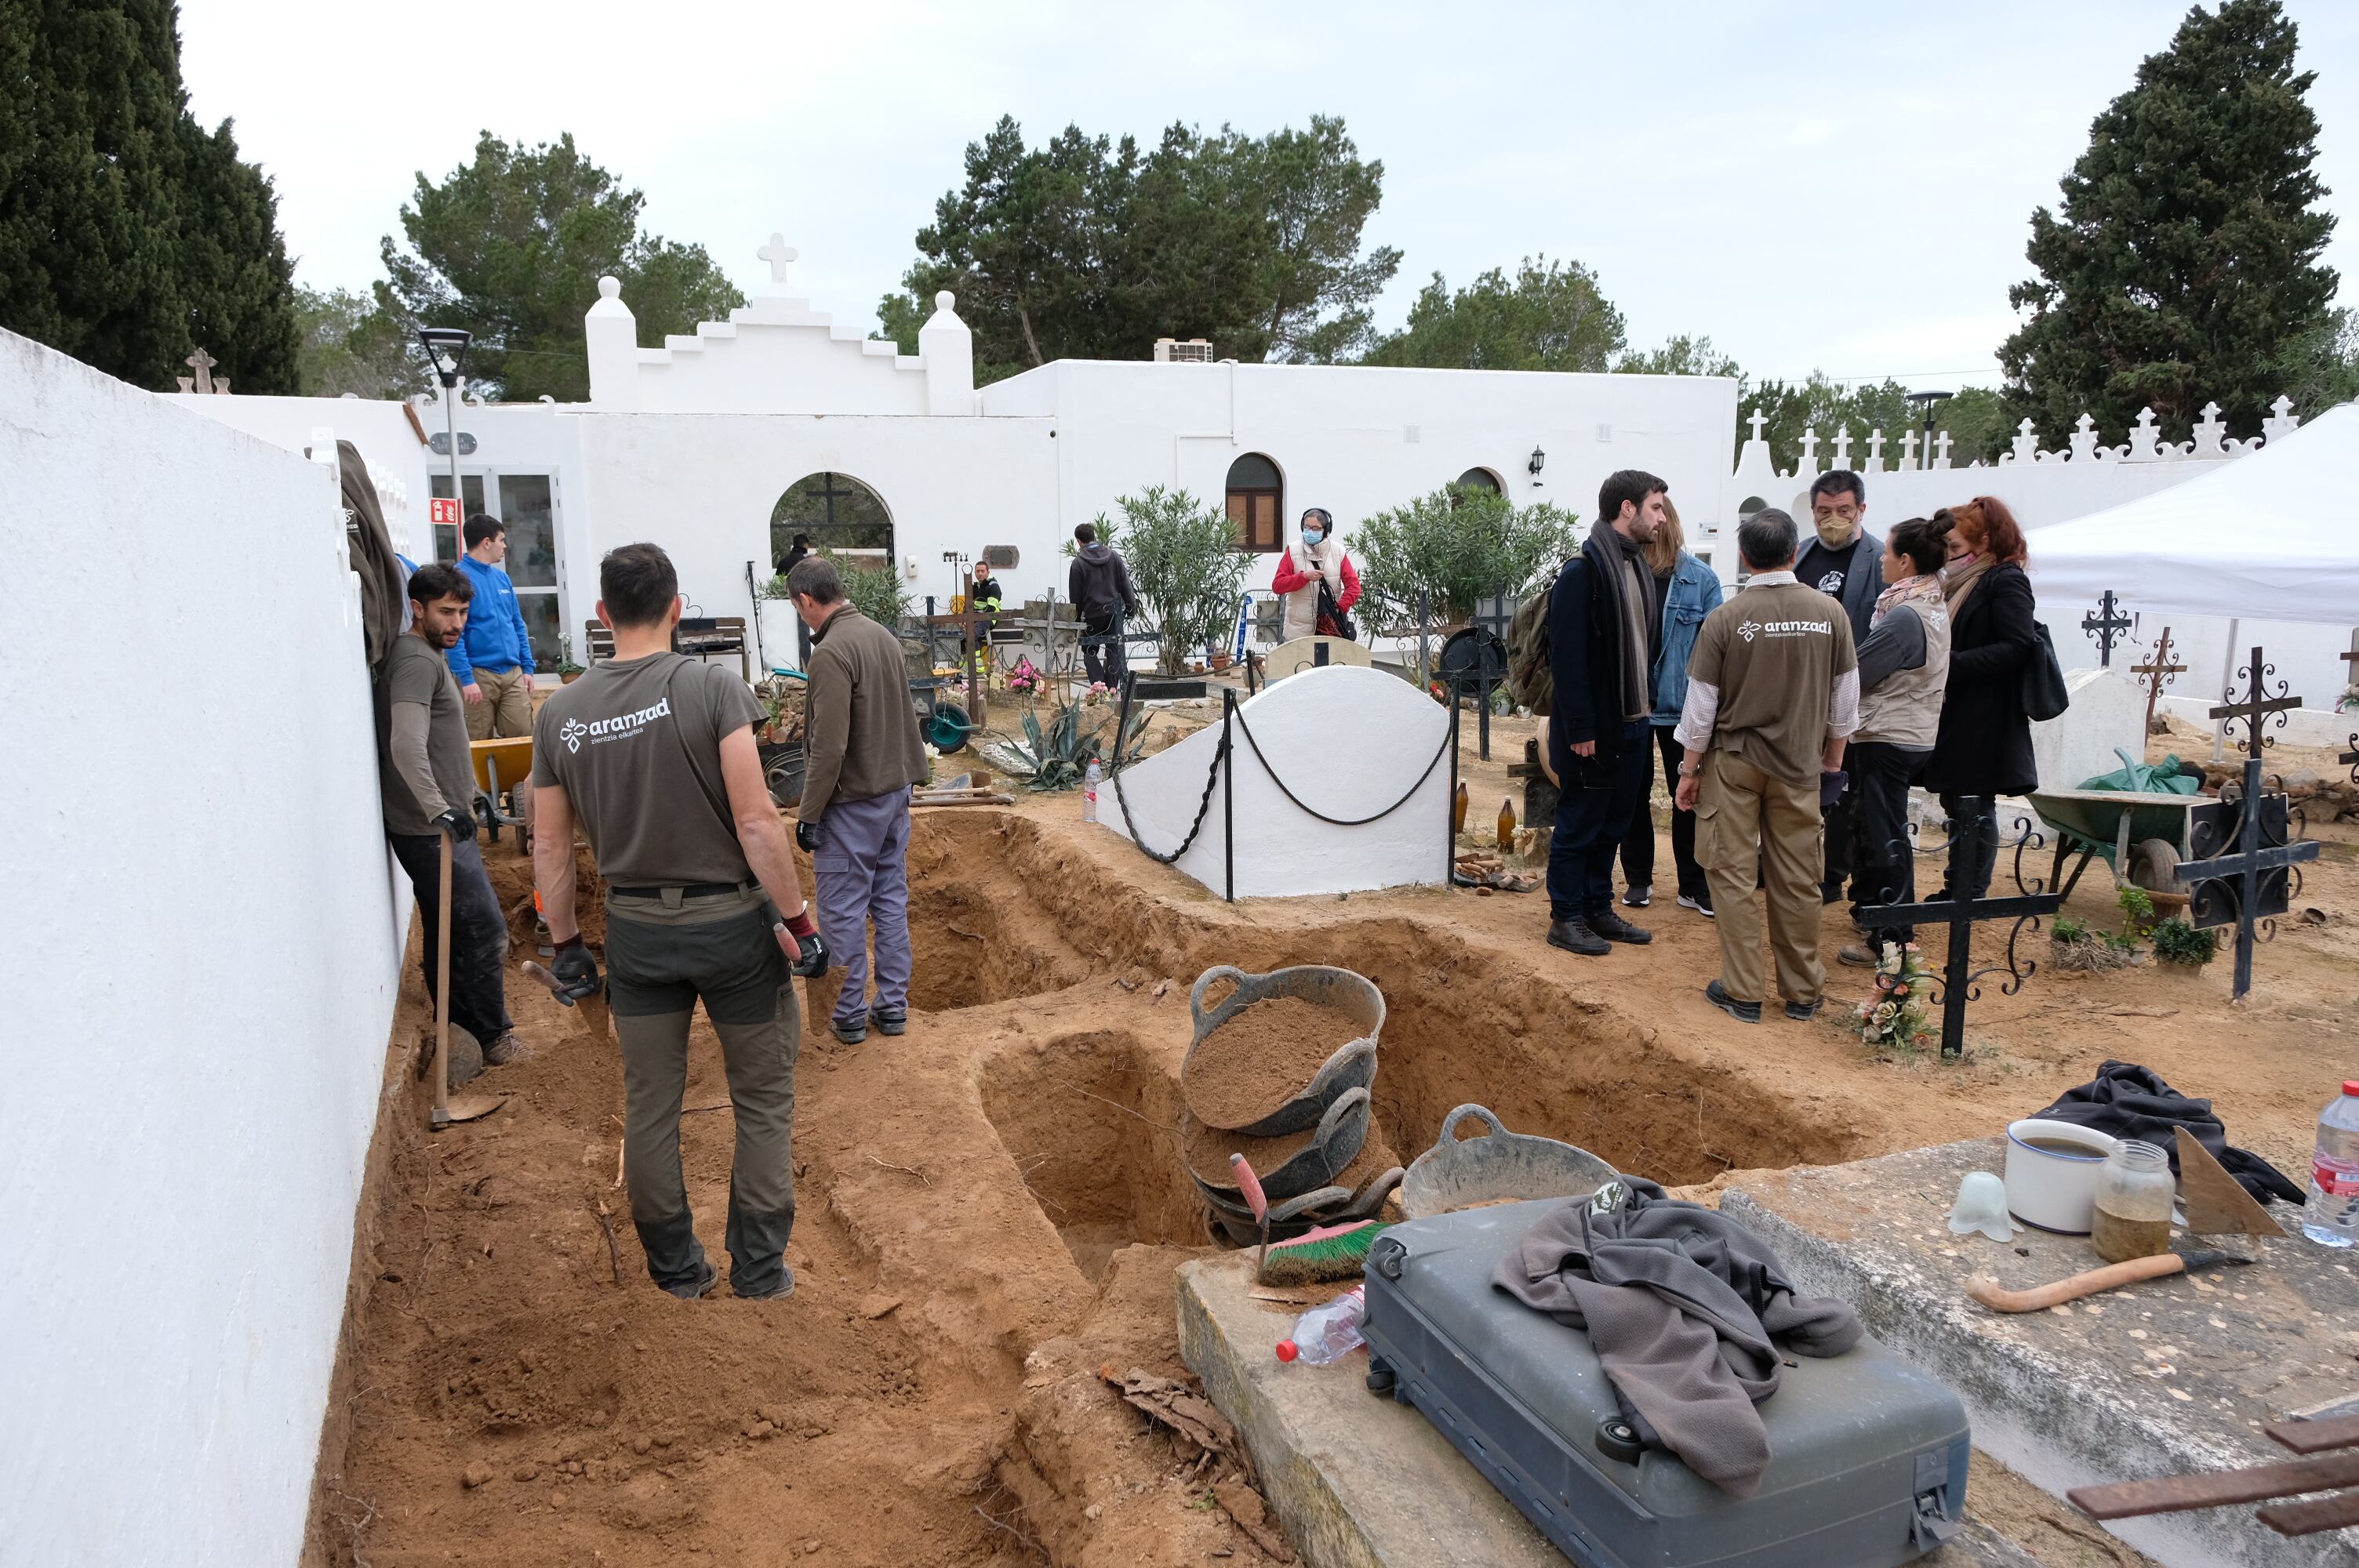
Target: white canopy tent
(2274, 537)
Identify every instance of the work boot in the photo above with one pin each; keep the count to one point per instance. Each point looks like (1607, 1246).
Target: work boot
(1638, 896)
(1742, 1012)
(890, 1020)
(779, 1292)
(1803, 1011)
(1856, 955)
(699, 1287)
(1572, 934)
(852, 1030)
(506, 1049)
(1614, 928)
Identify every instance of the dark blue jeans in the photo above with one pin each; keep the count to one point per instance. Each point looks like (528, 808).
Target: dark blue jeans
(1592, 815)
(479, 930)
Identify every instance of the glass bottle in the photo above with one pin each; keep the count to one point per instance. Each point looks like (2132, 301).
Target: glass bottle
(2135, 1188)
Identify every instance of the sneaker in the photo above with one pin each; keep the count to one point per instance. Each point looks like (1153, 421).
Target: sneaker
(697, 1288)
(506, 1049)
(784, 1288)
(1572, 934)
(1638, 896)
(890, 1020)
(1857, 957)
(1614, 928)
(1803, 1011)
(1742, 1012)
(851, 1032)
(1701, 902)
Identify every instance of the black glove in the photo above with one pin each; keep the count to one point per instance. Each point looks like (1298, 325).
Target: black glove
(1831, 788)
(459, 824)
(575, 966)
(813, 959)
(807, 835)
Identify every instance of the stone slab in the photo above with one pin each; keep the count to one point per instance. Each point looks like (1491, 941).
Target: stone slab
(2168, 1376)
(1362, 1482)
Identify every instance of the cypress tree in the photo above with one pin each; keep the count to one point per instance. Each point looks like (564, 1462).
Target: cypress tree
(128, 234)
(2184, 266)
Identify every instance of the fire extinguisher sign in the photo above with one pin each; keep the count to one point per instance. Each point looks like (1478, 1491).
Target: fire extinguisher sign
(443, 510)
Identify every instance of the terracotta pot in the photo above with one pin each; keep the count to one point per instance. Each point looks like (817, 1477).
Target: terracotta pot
(1220, 661)
(568, 678)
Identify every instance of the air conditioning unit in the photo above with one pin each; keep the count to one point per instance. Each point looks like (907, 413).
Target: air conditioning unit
(1191, 351)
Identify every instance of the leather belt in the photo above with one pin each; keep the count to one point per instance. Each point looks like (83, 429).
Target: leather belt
(688, 890)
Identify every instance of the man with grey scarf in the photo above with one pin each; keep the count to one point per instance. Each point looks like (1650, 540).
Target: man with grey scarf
(1604, 625)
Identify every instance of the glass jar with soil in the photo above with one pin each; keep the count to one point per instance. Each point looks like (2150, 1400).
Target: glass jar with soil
(2135, 1188)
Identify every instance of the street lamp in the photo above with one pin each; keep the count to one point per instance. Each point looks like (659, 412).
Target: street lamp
(446, 350)
(1539, 461)
(1926, 403)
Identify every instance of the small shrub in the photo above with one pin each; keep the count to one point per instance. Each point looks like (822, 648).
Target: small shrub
(2068, 930)
(2177, 942)
(2073, 944)
(2137, 911)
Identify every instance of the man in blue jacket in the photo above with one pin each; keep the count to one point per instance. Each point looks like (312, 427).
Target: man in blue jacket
(493, 663)
(1605, 626)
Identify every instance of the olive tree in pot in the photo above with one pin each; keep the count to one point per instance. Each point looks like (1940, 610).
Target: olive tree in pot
(1458, 545)
(1184, 565)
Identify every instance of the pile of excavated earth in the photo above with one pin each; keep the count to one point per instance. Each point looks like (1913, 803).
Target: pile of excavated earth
(991, 1207)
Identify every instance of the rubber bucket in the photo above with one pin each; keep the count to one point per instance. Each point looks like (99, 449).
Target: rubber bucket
(1330, 1151)
(1504, 1166)
(1353, 1065)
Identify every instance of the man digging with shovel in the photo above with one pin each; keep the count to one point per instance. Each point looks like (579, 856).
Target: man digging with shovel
(654, 752)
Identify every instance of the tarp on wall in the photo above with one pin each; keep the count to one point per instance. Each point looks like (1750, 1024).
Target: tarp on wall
(2274, 537)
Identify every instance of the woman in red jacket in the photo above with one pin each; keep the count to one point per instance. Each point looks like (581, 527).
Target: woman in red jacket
(1323, 561)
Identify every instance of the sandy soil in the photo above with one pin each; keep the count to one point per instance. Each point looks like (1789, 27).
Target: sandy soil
(993, 1204)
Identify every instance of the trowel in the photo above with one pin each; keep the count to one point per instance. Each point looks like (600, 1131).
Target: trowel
(466, 1108)
(592, 1007)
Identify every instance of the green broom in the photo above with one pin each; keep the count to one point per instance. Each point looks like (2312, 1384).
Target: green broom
(1324, 1253)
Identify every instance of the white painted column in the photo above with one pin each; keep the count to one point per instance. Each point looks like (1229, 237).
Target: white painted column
(948, 348)
(613, 334)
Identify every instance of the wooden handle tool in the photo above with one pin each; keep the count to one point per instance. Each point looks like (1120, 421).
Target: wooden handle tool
(2112, 1277)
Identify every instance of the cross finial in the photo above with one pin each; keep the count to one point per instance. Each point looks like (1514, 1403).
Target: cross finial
(1757, 421)
(777, 252)
(1842, 446)
(2105, 623)
(203, 363)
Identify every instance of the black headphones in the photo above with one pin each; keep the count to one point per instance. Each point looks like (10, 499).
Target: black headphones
(1320, 512)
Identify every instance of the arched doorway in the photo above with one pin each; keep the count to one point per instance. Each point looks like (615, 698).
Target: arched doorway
(1256, 498)
(841, 515)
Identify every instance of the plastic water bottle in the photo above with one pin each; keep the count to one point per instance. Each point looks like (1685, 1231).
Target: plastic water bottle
(2331, 1216)
(1328, 1333)
(1089, 782)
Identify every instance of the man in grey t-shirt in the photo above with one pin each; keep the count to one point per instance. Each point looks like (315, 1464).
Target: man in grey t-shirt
(427, 780)
(654, 752)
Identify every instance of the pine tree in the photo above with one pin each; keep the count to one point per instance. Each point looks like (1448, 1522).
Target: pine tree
(129, 235)
(2184, 268)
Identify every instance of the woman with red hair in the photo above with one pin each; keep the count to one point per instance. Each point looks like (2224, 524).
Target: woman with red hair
(1984, 748)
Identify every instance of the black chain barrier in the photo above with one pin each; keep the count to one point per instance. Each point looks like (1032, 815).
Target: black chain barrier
(1212, 777)
(1338, 821)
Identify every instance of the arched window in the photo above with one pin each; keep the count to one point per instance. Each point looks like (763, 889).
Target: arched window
(1749, 505)
(840, 515)
(1258, 503)
(1479, 478)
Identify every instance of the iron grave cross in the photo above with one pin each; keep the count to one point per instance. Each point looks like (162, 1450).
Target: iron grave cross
(2159, 672)
(2105, 623)
(1959, 974)
(2244, 857)
(2350, 757)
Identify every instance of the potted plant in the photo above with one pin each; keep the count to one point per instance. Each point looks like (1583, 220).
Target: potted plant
(567, 671)
(2178, 944)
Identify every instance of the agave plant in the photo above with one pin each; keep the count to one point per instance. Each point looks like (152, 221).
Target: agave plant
(1055, 756)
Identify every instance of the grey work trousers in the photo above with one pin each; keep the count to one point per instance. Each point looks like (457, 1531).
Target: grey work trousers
(662, 955)
(862, 869)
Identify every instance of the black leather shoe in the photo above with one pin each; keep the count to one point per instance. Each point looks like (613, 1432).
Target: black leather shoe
(1803, 1011)
(1575, 935)
(890, 1022)
(1614, 928)
(1742, 1012)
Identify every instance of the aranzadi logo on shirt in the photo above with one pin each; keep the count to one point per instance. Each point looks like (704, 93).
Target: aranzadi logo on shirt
(573, 731)
(1749, 630)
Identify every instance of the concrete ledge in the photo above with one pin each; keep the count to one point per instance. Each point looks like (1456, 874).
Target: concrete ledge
(1362, 1482)
(2167, 1377)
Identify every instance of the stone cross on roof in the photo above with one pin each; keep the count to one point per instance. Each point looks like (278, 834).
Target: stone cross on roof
(1757, 420)
(777, 252)
(203, 363)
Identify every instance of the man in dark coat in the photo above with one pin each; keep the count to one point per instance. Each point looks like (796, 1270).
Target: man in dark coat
(1604, 626)
(1846, 562)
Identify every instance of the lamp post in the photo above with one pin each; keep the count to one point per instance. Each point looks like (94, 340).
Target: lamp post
(1539, 461)
(1926, 403)
(446, 350)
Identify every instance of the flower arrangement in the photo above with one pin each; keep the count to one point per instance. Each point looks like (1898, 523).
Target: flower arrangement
(1899, 1014)
(1026, 677)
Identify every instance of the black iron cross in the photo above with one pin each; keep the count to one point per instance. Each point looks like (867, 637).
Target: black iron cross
(1959, 974)
(1496, 621)
(2105, 623)
(2243, 864)
(2159, 672)
(2350, 757)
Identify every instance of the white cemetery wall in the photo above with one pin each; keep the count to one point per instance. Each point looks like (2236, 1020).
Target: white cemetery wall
(203, 958)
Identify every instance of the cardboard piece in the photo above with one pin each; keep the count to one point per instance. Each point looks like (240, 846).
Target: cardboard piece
(2216, 1204)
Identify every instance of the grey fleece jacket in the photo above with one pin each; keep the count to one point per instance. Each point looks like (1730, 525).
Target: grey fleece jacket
(1681, 1305)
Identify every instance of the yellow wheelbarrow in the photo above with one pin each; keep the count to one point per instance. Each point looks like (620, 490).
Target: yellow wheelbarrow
(509, 759)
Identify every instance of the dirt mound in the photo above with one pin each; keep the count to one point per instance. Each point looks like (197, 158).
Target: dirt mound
(1262, 1058)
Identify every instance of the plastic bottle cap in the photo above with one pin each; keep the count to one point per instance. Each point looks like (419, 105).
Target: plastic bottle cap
(2351, 1086)
(1287, 1350)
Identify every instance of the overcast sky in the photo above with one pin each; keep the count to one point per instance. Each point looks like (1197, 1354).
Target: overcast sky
(1841, 186)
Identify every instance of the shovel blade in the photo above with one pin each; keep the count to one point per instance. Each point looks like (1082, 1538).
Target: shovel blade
(466, 1108)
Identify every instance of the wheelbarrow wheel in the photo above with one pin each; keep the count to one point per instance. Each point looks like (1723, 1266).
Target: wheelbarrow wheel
(2154, 866)
(947, 730)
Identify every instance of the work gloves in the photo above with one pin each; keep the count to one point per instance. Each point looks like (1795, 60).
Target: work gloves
(575, 968)
(1831, 788)
(459, 824)
(813, 959)
(807, 835)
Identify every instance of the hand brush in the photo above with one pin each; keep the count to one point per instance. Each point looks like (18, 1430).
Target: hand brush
(1328, 1252)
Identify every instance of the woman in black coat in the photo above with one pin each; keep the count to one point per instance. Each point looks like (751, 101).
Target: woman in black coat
(1984, 748)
